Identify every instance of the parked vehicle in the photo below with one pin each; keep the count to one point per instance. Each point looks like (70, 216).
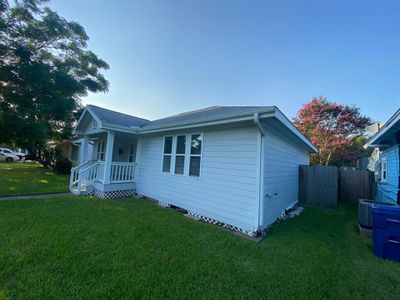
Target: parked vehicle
(8, 157)
(11, 152)
(20, 154)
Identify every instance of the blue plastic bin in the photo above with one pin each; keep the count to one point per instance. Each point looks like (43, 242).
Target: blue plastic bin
(386, 231)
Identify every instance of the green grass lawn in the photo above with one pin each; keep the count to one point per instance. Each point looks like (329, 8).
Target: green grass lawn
(21, 178)
(81, 247)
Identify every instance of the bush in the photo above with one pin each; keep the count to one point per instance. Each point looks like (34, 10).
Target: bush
(63, 166)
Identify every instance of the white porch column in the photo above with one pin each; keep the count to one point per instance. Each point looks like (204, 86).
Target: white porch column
(108, 157)
(83, 149)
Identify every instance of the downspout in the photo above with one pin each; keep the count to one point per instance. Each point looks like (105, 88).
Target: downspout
(260, 169)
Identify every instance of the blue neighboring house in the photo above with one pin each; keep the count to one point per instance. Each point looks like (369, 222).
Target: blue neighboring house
(387, 141)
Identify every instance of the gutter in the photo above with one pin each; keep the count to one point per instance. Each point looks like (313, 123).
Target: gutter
(260, 170)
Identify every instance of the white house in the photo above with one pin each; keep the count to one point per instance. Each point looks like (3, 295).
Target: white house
(234, 165)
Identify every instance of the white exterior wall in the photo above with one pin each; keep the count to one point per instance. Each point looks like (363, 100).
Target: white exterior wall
(282, 157)
(226, 190)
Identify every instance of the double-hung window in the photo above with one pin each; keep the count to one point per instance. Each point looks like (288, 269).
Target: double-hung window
(167, 154)
(101, 146)
(182, 154)
(195, 154)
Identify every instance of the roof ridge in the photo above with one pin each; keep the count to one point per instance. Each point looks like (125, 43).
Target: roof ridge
(114, 111)
(195, 111)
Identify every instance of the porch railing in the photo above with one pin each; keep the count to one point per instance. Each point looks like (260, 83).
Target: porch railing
(74, 178)
(122, 172)
(85, 174)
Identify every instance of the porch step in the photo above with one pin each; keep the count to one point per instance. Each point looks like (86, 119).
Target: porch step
(84, 190)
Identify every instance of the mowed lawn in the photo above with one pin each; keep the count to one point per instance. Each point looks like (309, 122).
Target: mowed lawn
(22, 178)
(82, 247)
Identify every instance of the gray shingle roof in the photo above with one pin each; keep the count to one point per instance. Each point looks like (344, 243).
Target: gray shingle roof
(116, 118)
(205, 114)
(111, 118)
(201, 115)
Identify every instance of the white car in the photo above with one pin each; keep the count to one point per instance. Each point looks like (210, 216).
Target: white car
(8, 157)
(7, 151)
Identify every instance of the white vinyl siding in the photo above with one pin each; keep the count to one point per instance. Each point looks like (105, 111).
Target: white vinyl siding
(226, 189)
(282, 156)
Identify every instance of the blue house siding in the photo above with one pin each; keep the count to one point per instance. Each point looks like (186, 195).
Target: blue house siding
(387, 191)
(227, 189)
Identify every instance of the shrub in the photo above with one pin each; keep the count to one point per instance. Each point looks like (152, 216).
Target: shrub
(63, 166)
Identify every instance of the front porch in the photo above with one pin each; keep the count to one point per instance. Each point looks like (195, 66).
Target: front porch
(110, 171)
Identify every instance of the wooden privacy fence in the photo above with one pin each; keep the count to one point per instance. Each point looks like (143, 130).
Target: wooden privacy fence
(356, 184)
(318, 186)
(321, 186)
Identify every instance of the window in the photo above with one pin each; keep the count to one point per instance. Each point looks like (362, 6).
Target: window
(132, 153)
(167, 154)
(184, 157)
(180, 154)
(74, 152)
(383, 170)
(195, 155)
(101, 146)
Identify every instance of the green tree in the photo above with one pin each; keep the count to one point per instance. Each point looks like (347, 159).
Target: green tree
(45, 70)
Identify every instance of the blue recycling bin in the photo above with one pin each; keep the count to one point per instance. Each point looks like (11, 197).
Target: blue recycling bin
(386, 231)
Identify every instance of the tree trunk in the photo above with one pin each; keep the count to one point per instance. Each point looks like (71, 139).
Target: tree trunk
(328, 159)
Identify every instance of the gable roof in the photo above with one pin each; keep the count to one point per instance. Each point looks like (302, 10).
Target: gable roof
(111, 117)
(214, 115)
(387, 132)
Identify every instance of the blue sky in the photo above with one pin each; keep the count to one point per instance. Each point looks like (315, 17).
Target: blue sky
(171, 56)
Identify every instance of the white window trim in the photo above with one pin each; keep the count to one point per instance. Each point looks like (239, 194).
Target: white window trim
(384, 170)
(195, 155)
(187, 155)
(175, 155)
(99, 147)
(169, 154)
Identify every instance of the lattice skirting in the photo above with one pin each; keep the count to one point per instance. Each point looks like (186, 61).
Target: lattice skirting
(205, 218)
(114, 194)
(228, 226)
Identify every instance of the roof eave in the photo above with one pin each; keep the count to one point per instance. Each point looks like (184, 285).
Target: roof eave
(372, 143)
(113, 127)
(285, 121)
(227, 119)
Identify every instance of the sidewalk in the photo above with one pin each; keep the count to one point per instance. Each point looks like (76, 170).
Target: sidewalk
(22, 197)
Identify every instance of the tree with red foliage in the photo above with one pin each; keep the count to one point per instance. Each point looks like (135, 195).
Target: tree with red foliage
(331, 127)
